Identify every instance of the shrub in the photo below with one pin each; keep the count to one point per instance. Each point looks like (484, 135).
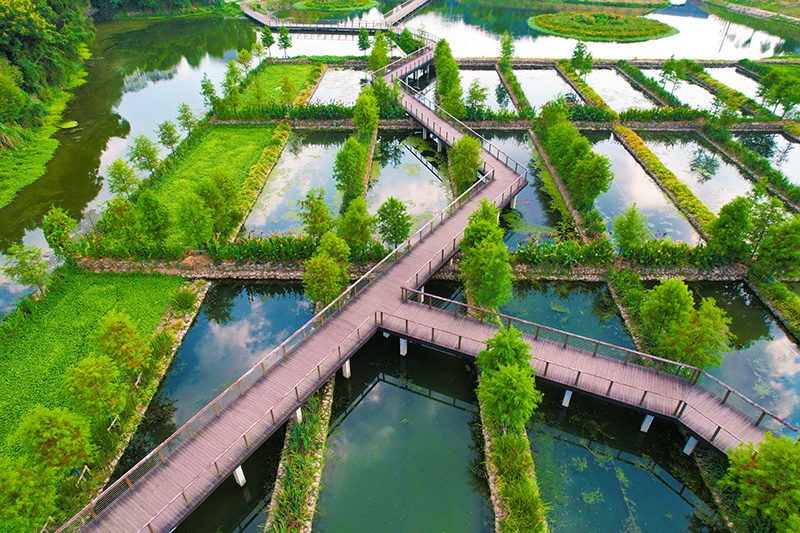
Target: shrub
(543, 250)
(264, 249)
(161, 343)
(650, 84)
(663, 114)
(183, 300)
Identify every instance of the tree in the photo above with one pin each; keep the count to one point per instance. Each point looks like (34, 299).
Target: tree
(669, 302)
(316, 216)
(186, 118)
(284, 40)
(121, 178)
(119, 340)
(506, 49)
(27, 494)
(230, 85)
(766, 211)
(729, 232)
(478, 231)
(379, 57)
(356, 226)
(387, 96)
(267, 39)
(582, 60)
(168, 135)
(509, 395)
(288, 90)
(394, 222)
(349, 170)
(365, 114)
(487, 274)
(630, 230)
(780, 249)
(448, 91)
(506, 348)
(476, 95)
(700, 338)
(143, 154)
(58, 228)
(24, 264)
(92, 385)
(245, 59)
(54, 437)
(671, 71)
(194, 220)
(153, 217)
(767, 478)
(209, 92)
(464, 157)
(257, 50)
(322, 279)
(363, 39)
(334, 247)
(120, 225)
(221, 195)
(591, 177)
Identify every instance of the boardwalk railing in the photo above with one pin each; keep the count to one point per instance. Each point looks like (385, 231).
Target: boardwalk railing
(693, 375)
(405, 6)
(260, 369)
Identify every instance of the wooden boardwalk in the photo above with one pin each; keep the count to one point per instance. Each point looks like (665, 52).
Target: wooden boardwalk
(180, 473)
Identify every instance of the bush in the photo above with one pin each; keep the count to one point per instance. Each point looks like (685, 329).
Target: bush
(264, 249)
(161, 343)
(664, 252)
(525, 108)
(183, 300)
(543, 250)
(650, 84)
(663, 114)
(591, 113)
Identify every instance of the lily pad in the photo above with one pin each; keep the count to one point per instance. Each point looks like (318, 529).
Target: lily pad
(69, 124)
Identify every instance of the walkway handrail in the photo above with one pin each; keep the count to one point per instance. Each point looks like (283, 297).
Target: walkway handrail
(411, 294)
(436, 336)
(293, 340)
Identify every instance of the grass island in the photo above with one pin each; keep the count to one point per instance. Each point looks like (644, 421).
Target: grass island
(609, 27)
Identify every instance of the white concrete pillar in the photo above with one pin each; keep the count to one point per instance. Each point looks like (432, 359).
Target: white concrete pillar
(648, 420)
(567, 398)
(513, 204)
(298, 415)
(346, 369)
(403, 346)
(689, 448)
(424, 132)
(238, 475)
(438, 145)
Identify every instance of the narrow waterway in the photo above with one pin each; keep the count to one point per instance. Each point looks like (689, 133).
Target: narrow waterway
(782, 154)
(340, 85)
(542, 85)
(616, 91)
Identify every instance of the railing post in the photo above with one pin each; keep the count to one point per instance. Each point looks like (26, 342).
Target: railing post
(643, 397)
(760, 418)
(725, 399)
(128, 481)
(566, 338)
(536, 337)
(627, 355)
(216, 410)
(596, 346)
(610, 384)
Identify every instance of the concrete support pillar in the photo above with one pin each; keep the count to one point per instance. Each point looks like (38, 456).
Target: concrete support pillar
(567, 398)
(424, 132)
(689, 448)
(346, 369)
(298, 415)
(438, 145)
(238, 475)
(403, 346)
(513, 204)
(648, 420)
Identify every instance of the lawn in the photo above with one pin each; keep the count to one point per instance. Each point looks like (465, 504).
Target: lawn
(60, 332)
(266, 85)
(231, 149)
(601, 26)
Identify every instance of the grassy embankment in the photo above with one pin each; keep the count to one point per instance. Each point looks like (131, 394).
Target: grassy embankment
(27, 163)
(265, 82)
(601, 27)
(335, 5)
(791, 9)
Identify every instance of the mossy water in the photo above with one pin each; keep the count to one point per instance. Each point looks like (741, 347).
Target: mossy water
(542, 85)
(340, 85)
(405, 450)
(615, 90)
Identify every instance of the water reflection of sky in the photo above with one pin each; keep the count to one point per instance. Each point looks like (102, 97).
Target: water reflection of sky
(733, 79)
(616, 91)
(236, 327)
(632, 185)
(541, 85)
(339, 85)
(699, 38)
(708, 174)
(783, 154)
(489, 80)
(688, 93)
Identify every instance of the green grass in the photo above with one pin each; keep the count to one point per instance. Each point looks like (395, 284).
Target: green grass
(28, 162)
(601, 26)
(776, 6)
(271, 78)
(60, 332)
(335, 5)
(232, 149)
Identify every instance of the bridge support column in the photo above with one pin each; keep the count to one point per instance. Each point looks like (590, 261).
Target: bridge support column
(689, 448)
(648, 420)
(424, 133)
(567, 398)
(346, 369)
(403, 346)
(438, 145)
(513, 204)
(238, 475)
(298, 415)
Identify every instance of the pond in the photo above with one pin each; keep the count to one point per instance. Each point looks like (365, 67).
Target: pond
(616, 91)
(783, 154)
(497, 98)
(764, 363)
(731, 77)
(707, 173)
(407, 167)
(340, 85)
(405, 448)
(473, 29)
(633, 186)
(306, 163)
(542, 85)
(690, 94)
(598, 472)
(238, 324)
